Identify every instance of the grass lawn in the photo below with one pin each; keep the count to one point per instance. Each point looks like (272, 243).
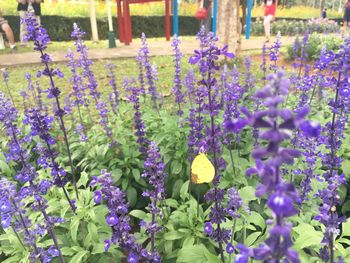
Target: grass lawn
(124, 68)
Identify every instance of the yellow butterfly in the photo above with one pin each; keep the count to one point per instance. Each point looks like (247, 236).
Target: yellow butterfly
(202, 170)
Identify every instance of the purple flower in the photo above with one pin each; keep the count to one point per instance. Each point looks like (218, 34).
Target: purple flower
(154, 175)
(139, 126)
(274, 53)
(41, 39)
(118, 218)
(275, 124)
(230, 248)
(177, 89)
(114, 96)
(208, 228)
(149, 73)
(5, 77)
(85, 62)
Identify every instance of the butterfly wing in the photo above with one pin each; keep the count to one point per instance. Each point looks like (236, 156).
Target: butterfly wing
(202, 170)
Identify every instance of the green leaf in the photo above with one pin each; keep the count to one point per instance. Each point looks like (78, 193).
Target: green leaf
(346, 228)
(173, 235)
(256, 219)
(247, 193)
(4, 167)
(177, 188)
(252, 238)
(184, 190)
(189, 241)
(171, 203)
(136, 174)
(308, 236)
(194, 254)
(117, 174)
(74, 225)
(138, 214)
(211, 257)
(67, 251)
(92, 229)
(84, 178)
(131, 195)
(98, 249)
(176, 167)
(79, 257)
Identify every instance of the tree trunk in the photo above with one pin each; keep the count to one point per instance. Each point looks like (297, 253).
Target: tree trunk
(229, 25)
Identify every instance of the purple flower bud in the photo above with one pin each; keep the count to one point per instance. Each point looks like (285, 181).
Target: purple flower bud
(53, 251)
(112, 219)
(133, 258)
(230, 248)
(97, 196)
(240, 258)
(5, 207)
(281, 205)
(311, 128)
(5, 221)
(107, 245)
(208, 228)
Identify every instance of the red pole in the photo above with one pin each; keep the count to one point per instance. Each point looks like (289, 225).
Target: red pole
(167, 20)
(129, 21)
(126, 22)
(120, 22)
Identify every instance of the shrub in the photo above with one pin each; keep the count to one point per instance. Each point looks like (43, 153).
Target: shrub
(315, 45)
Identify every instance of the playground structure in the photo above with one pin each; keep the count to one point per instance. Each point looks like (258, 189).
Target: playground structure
(124, 18)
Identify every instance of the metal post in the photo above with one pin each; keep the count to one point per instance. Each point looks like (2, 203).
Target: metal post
(93, 22)
(215, 17)
(248, 19)
(111, 35)
(175, 18)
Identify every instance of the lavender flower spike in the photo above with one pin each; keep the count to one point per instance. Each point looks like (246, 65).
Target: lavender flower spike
(5, 77)
(152, 89)
(154, 174)
(119, 220)
(41, 39)
(276, 125)
(177, 89)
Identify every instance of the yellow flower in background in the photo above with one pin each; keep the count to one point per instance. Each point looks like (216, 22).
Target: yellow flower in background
(202, 170)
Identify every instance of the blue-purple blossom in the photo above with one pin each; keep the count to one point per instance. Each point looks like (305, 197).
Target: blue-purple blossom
(119, 219)
(85, 62)
(114, 95)
(38, 34)
(276, 124)
(139, 126)
(5, 78)
(177, 89)
(149, 73)
(208, 87)
(154, 175)
(274, 53)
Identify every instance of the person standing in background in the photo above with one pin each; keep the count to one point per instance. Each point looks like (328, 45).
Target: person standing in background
(347, 14)
(5, 27)
(269, 16)
(23, 7)
(324, 13)
(206, 22)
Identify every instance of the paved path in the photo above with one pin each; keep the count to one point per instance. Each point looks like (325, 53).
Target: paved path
(157, 48)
